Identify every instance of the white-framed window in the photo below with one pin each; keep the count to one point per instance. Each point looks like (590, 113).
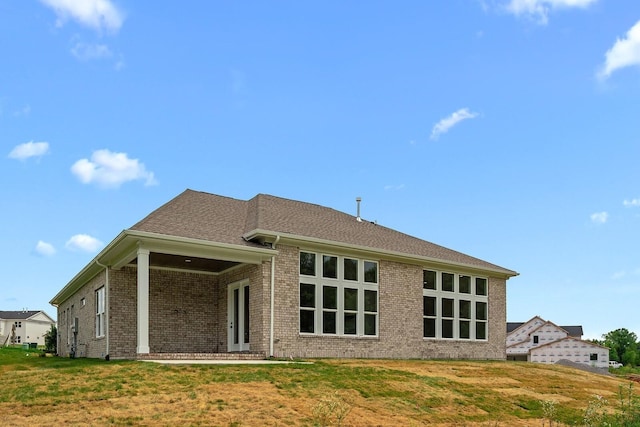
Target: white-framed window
(338, 295)
(454, 306)
(100, 312)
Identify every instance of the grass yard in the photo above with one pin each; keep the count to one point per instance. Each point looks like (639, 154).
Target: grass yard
(51, 391)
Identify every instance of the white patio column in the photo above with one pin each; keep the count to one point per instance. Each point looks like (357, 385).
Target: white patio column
(143, 301)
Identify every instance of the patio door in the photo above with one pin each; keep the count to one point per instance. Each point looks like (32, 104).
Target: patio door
(238, 316)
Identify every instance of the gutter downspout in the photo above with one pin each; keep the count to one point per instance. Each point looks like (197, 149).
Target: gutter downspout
(272, 298)
(106, 305)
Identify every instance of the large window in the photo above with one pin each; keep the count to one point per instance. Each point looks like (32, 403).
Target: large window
(338, 295)
(100, 312)
(454, 306)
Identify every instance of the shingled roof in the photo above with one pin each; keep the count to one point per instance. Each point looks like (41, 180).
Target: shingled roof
(17, 315)
(199, 215)
(210, 217)
(573, 331)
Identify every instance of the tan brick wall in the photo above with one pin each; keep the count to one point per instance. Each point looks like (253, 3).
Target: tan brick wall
(188, 313)
(182, 308)
(123, 302)
(400, 319)
(87, 343)
(287, 302)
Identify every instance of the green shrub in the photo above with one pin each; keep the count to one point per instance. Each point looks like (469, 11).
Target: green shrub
(51, 340)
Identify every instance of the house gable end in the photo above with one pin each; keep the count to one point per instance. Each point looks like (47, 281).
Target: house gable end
(522, 333)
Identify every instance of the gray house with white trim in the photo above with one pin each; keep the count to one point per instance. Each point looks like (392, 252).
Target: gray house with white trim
(212, 276)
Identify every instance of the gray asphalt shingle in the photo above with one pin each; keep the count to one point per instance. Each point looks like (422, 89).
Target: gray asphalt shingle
(206, 216)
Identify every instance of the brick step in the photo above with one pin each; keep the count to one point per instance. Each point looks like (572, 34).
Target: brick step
(202, 356)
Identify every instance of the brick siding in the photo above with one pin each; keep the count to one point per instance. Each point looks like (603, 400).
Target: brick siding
(88, 345)
(400, 319)
(188, 314)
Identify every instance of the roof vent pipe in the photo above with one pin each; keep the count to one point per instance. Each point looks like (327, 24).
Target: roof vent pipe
(358, 200)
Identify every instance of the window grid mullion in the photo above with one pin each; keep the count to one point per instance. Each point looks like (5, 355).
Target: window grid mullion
(473, 298)
(340, 283)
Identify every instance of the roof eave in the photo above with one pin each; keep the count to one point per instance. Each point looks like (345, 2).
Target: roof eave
(188, 246)
(124, 247)
(271, 236)
(88, 272)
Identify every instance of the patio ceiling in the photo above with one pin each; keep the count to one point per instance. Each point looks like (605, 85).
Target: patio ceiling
(180, 262)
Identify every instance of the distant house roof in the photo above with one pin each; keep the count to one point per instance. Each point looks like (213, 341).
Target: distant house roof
(573, 331)
(206, 216)
(18, 315)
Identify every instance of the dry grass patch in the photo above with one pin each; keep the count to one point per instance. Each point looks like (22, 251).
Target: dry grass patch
(328, 392)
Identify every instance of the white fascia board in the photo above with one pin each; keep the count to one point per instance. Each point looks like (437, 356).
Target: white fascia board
(200, 248)
(87, 273)
(173, 245)
(364, 251)
(123, 249)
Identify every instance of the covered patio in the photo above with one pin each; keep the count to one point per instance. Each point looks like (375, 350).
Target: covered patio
(192, 296)
(160, 297)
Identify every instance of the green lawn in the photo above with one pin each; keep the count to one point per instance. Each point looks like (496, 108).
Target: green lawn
(50, 391)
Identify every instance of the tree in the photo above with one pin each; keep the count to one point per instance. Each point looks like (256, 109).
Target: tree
(630, 357)
(597, 341)
(623, 346)
(51, 339)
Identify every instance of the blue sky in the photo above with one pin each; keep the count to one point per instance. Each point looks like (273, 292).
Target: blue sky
(505, 129)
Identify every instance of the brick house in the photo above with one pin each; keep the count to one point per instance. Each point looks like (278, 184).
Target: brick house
(542, 341)
(207, 275)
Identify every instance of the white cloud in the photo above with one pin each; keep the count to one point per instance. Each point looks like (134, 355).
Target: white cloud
(484, 5)
(96, 14)
(394, 187)
(447, 123)
(599, 217)
(29, 149)
(22, 112)
(111, 170)
(120, 64)
(88, 51)
(631, 202)
(45, 249)
(83, 242)
(624, 53)
(539, 9)
(619, 275)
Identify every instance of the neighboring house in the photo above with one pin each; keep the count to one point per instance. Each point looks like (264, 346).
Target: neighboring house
(19, 327)
(541, 341)
(205, 274)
